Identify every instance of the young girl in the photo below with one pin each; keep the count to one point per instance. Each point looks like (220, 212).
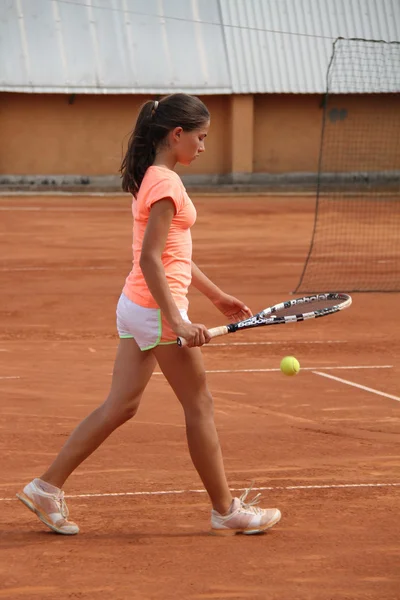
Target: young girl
(151, 313)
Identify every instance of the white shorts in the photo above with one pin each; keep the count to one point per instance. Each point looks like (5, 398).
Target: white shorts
(146, 326)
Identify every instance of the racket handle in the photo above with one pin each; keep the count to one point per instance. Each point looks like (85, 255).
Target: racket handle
(214, 332)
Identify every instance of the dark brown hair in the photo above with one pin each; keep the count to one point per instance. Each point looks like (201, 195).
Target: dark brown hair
(153, 124)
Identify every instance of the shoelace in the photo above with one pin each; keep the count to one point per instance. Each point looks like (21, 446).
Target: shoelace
(62, 504)
(250, 506)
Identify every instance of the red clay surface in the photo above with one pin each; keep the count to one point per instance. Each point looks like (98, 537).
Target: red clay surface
(63, 263)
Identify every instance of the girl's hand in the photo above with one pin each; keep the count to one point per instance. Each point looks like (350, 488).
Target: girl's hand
(232, 308)
(195, 334)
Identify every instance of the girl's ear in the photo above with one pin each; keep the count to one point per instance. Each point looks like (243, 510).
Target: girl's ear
(176, 134)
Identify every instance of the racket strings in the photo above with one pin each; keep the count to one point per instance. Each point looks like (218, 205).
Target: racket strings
(298, 308)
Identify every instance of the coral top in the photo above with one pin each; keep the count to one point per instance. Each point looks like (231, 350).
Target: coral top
(159, 183)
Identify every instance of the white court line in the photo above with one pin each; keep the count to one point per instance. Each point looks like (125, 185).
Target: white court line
(357, 385)
(275, 370)
(332, 486)
(10, 377)
(18, 208)
(275, 343)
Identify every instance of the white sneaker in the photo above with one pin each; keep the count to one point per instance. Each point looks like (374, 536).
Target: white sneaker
(50, 508)
(244, 517)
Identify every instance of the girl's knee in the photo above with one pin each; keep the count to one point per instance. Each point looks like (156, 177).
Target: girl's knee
(200, 407)
(119, 411)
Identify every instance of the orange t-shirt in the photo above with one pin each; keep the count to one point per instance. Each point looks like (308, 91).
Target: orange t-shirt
(159, 183)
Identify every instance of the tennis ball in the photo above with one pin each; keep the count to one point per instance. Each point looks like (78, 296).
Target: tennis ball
(290, 365)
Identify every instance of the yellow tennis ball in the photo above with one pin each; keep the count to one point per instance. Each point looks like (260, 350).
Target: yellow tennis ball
(290, 365)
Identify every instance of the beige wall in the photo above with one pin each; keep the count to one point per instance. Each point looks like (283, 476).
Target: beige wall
(46, 135)
(287, 133)
(43, 134)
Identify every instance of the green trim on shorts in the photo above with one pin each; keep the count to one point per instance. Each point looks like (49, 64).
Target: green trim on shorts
(126, 336)
(159, 333)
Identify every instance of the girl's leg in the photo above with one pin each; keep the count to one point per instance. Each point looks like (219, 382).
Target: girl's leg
(184, 370)
(132, 371)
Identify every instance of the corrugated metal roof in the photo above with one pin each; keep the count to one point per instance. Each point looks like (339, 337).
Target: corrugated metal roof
(264, 61)
(197, 46)
(111, 46)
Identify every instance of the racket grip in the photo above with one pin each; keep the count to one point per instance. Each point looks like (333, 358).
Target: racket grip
(214, 332)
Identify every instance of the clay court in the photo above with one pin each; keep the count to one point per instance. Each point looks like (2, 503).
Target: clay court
(322, 446)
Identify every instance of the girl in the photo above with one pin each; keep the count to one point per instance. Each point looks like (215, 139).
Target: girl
(151, 313)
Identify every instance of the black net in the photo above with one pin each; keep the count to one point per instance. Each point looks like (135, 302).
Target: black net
(356, 239)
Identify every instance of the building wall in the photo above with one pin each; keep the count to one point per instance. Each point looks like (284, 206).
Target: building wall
(287, 133)
(370, 125)
(60, 135)
(46, 134)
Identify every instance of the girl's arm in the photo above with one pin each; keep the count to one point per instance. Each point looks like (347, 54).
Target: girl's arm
(230, 306)
(202, 283)
(155, 237)
(154, 241)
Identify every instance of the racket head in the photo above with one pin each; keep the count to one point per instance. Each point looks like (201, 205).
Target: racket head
(298, 309)
(313, 306)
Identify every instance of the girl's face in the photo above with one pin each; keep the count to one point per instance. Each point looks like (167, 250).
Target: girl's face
(189, 144)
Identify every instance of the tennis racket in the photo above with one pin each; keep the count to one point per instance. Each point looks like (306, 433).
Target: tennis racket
(292, 311)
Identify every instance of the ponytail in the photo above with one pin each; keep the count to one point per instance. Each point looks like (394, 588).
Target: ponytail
(141, 151)
(155, 121)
